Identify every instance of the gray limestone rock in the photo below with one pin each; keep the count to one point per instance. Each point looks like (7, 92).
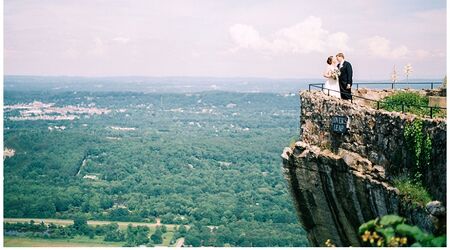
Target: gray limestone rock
(436, 208)
(339, 181)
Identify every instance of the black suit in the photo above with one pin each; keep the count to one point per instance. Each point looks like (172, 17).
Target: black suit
(345, 78)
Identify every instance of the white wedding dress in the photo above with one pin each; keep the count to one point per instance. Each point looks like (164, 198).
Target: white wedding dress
(331, 83)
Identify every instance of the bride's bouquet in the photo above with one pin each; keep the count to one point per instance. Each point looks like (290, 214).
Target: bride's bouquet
(335, 74)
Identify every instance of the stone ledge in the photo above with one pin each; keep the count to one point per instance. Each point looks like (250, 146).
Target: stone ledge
(355, 163)
(334, 193)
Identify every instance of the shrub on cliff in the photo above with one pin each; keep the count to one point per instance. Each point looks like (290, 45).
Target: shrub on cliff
(412, 191)
(392, 231)
(409, 99)
(412, 102)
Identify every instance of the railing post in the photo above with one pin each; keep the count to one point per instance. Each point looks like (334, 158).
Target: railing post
(392, 85)
(357, 85)
(309, 87)
(432, 85)
(431, 112)
(328, 92)
(378, 105)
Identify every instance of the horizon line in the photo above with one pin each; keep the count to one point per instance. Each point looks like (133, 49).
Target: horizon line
(217, 77)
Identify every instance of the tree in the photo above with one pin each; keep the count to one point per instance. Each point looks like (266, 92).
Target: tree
(80, 225)
(62, 203)
(193, 241)
(114, 236)
(182, 230)
(137, 236)
(142, 236)
(157, 236)
(163, 229)
(43, 208)
(162, 187)
(106, 202)
(91, 234)
(119, 214)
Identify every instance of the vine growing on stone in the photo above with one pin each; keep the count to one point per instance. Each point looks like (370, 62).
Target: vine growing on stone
(419, 145)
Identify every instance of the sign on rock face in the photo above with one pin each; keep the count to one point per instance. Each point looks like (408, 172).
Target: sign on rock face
(339, 124)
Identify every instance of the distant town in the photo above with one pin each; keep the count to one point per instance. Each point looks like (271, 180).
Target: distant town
(47, 111)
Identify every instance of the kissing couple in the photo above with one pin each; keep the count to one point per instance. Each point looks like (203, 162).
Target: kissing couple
(339, 76)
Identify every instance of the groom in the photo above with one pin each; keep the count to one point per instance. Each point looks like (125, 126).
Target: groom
(345, 79)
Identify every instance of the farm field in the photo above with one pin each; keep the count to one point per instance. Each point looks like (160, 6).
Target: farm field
(12, 241)
(122, 224)
(80, 241)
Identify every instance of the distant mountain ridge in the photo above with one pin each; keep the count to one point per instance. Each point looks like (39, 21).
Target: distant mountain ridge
(154, 84)
(170, 84)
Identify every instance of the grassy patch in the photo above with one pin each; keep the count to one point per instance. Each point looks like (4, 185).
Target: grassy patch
(167, 237)
(122, 225)
(78, 241)
(394, 103)
(412, 191)
(410, 99)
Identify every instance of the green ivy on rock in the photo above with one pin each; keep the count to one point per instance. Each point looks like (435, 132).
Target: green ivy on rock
(419, 146)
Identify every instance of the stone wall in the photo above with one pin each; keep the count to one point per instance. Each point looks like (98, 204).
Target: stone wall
(374, 134)
(339, 181)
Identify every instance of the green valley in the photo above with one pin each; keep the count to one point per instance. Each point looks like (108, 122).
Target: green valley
(209, 160)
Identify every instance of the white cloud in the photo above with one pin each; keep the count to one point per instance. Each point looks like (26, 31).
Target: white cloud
(71, 53)
(245, 36)
(305, 37)
(123, 40)
(302, 38)
(381, 47)
(99, 47)
(338, 41)
(422, 53)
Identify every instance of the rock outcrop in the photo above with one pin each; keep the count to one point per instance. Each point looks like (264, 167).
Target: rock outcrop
(339, 181)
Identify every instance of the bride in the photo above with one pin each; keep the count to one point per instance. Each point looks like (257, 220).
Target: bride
(331, 86)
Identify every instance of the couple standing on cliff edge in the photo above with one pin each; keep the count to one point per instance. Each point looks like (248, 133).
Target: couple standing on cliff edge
(339, 76)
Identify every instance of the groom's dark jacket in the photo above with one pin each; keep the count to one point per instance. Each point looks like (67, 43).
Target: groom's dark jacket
(346, 76)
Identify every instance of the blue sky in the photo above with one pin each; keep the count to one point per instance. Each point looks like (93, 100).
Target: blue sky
(246, 38)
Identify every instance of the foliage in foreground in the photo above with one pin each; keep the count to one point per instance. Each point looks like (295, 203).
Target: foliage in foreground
(392, 231)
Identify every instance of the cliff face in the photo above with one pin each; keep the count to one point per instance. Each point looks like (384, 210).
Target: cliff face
(339, 181)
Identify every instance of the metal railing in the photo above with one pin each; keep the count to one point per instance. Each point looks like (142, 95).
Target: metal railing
(378, 102)
(431, 84)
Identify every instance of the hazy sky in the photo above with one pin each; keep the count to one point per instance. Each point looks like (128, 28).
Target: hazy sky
(249, 38)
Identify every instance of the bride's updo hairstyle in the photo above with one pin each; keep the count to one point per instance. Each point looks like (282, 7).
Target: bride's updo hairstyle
(330, 60)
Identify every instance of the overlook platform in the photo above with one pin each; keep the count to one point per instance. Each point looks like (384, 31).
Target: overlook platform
(373, 97)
